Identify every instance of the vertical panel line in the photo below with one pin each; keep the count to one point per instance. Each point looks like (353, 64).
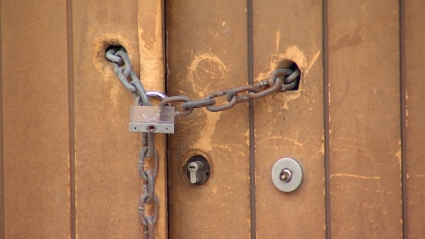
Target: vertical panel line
(403, 114)
(70, 49)
(251, 120)
(326, 112)
(167, 138)
(2, 226)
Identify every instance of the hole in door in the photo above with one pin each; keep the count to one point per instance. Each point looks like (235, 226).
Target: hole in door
(288, 64)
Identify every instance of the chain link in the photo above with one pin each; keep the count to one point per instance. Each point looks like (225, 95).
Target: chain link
(279, 80)
(148, 157)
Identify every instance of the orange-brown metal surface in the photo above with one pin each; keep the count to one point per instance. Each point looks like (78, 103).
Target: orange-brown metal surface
(414, 151)
(35, 119)
(106, 178)
(364, 119)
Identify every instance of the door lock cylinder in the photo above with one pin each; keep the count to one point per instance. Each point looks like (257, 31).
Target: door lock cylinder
(196, 172)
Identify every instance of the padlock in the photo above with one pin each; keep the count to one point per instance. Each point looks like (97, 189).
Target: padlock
(152, 119)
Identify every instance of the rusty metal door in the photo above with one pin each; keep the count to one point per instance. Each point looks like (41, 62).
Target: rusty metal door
(68, 165)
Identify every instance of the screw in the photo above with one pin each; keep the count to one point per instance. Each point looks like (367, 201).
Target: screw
(285, 175)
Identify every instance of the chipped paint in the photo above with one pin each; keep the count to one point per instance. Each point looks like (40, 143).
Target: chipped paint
(416, 175)
(277, 40)
(104, 66)
(294, 54)
(354, 176)
(151, 45)
(204, 141)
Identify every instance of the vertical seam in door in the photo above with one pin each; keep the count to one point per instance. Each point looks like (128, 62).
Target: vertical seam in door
(251, 120)
(166, 92)
(403, 119)
(326, 102)
(70, 49)
(2, 232)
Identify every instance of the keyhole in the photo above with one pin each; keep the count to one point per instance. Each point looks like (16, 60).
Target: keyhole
(196, 169)
(151, 128)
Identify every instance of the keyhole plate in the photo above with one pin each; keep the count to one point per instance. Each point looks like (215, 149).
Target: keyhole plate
(296, 172)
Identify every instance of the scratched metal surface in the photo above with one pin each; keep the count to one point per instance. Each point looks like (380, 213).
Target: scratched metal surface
(207, 51)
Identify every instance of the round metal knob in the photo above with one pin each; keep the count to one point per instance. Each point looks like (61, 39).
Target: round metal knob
(287, 174)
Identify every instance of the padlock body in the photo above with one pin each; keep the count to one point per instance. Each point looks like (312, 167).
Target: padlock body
(152, 119)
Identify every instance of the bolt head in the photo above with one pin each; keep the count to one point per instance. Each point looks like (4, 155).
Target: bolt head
(285, 175)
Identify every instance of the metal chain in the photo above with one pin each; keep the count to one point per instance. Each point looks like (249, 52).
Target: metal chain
(148, 174)
(279, 80)
(148, 156)
(122, 67)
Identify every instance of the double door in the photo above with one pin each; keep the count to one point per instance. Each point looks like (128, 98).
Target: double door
(69, 164)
